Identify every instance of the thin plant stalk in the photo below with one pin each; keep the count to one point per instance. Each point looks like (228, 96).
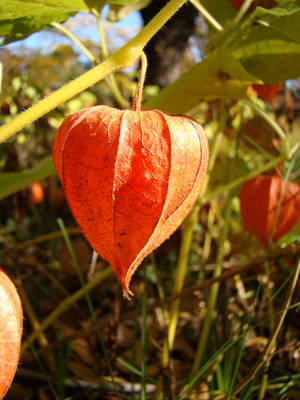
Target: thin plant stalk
(213, 292)
(87, 296)
(188, 230)
(239, 181)
(111, 80)
(242, 11)
(64, 306)
(43, 341)
(122, 58)
(212, 21)
(269, 349)
(75, 40)
(144, 339)
(273, 124)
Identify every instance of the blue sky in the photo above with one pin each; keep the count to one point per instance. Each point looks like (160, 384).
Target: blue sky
(83, 26)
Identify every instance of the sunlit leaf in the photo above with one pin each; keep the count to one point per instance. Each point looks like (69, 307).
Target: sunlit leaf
(218, 77)
(12, 182)
(267, 43)
(20, 18)
(118, 11)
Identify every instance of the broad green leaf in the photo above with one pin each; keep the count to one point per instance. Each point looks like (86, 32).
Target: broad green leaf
(121, 2)
(267, 43)
(222, 10)
(20, 18)
(218, 77)
(98, 4)
(12, 182)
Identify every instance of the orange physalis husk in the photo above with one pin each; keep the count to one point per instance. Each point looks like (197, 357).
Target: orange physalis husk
(130, 178)
(11, 323)
(268, 92)
(270, 207)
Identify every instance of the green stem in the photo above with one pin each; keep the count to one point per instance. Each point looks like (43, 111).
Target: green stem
(111, 81)
(140, 86)
(273, 124)
(120, 59)
(197, 4)
(185, 247)
(180, 273)
(75, 40)
(103, 45)
(242, 11)
(213, 292)
(270, 347)
(144, 340)
(232, 185)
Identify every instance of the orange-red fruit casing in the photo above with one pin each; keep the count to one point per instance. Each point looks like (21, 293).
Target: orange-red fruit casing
(11, 323)
(268, 92)
(130, 178)
(270, 207)
(237, 4)
(37, 192)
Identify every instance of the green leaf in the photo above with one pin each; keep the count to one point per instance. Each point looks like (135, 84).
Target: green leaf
(121, 2)
(12, 182)
(267, 43)
(20, 18)
(118, 12)
(217, 77)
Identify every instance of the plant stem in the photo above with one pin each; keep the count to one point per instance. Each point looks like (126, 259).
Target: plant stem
(188, 230)
(179, 278)
(144, 339)
(65, 305)
(269, 297)
(136, 106)
(122, 58)
(40, 239)
(242, 11)
(213, 292)
(273, 124)
(111, 81)
(232, 185)
(197, 4)
(267, 353)
(36, 325)
(75, 40)
(92, 270)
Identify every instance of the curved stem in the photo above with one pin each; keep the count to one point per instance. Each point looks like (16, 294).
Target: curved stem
(111, 81)
(197, 4)
(277, 128)
(136, 106)
(76, 41)
(231, 185)
(120, 59)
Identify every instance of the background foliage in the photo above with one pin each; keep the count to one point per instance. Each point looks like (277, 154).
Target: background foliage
(93, 343)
